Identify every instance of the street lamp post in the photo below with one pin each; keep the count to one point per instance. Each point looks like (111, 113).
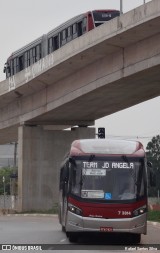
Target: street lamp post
(121, 6)
(4, 190)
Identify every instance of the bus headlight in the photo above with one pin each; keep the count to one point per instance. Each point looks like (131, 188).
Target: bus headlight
(74, 209)
(140, 210)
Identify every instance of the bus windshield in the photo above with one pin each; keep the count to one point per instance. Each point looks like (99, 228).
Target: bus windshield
(113, 180)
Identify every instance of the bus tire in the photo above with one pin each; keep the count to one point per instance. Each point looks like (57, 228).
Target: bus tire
(136, 238)
(63, 229)
(73, 237)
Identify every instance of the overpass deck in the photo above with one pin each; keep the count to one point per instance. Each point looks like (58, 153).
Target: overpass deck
(108, 69)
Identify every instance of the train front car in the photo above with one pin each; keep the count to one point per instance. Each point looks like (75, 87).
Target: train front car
(55, 39)
(101, 16)
(107, 189)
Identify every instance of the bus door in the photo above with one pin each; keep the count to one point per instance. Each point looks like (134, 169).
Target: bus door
(65, 188)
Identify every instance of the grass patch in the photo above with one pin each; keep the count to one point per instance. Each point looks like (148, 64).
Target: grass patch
(154, 215)
(53, 210)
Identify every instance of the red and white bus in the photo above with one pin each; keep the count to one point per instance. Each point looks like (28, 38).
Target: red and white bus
(103, 188)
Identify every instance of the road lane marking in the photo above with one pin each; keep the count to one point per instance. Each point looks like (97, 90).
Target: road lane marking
(63, 240)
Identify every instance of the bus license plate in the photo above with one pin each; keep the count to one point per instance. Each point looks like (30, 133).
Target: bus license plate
(106, 229)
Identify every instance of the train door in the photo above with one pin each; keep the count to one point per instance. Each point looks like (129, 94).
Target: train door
(21, 62)
(82, 26)
(80, 31)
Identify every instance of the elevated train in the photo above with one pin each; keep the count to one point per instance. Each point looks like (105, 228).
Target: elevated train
(55, 39)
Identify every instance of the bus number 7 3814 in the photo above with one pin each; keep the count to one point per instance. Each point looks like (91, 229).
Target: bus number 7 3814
(103, 188)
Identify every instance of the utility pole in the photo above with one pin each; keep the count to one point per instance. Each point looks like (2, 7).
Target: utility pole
(121, 7)
(13, 177)
(4, 189)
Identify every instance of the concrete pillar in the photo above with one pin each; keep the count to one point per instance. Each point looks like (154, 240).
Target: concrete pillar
(40, 153)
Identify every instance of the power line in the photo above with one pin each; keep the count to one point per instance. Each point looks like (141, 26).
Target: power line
(130, 137)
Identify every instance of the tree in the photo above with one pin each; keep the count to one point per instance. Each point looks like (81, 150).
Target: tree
(5, 172)
(153, 155)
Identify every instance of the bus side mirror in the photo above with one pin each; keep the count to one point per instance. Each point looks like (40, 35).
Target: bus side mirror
(152, 176)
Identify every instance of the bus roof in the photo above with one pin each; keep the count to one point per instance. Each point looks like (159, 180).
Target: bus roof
(106, 147)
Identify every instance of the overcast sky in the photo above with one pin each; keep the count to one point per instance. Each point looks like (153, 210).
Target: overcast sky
(23, 21)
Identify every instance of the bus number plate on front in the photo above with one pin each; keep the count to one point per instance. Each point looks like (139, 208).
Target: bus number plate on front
(106, 229)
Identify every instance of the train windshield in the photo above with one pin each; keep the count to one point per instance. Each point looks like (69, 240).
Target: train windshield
(102, 16)
(108, 180)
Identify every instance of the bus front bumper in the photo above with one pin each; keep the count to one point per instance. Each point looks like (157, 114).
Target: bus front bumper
(76, 223)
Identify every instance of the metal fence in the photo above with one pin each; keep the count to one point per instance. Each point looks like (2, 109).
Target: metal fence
(8, 202)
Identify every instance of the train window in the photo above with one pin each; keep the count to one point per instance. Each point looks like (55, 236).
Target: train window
(69, 31)
(55, 43)
(25, 59)
(84, 29)
(15, 63)
(64, 34)
(21, 62)
(31, 56)
(50, 45)
(12, 68)
(38, 52)
(34, 54)
(84, 21)
(74, 28)
(63, 37)
(28, 59)
(80, 28)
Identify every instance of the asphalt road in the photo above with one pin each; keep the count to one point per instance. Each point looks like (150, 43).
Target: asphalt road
(30, 229)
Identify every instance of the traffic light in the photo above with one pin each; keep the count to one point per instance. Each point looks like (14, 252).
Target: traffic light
(101, 132)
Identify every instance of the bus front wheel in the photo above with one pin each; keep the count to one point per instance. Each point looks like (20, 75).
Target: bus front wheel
(73, 237)
(135, 238)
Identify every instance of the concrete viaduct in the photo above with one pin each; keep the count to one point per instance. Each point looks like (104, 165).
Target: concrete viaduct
(113, 67)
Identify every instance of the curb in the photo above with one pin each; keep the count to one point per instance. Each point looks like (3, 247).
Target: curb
(154, 223)
(30, 215)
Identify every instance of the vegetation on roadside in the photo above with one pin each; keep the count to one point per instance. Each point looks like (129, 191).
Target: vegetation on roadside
(154, 215)
(53, 210)
(153, 155)
(6, 175)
